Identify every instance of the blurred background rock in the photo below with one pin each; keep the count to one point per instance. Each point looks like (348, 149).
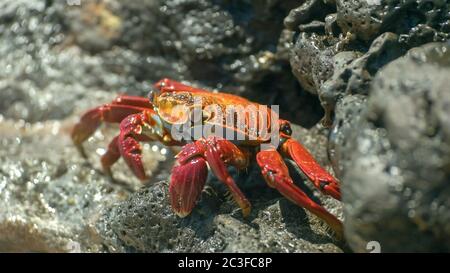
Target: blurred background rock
(358, 61)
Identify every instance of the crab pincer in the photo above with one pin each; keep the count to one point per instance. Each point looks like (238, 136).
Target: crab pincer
(189, 174)
(187, 180)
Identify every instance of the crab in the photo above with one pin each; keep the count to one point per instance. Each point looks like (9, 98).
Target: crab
(154, 119)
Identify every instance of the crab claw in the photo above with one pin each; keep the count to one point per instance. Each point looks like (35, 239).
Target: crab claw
(186, 184)
(129, 147)
(321, 179)
(114, 112)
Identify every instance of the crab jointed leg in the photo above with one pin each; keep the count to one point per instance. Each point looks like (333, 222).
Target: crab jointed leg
(133, 114)
(131, 133)
(113, 112)
(189, 174)
(111, 156)
(188, 179)
(321, 179)
(219, 154)
(276, 174)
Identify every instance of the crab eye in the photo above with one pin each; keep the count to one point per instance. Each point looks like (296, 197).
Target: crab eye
(286, 128)
(152, 94)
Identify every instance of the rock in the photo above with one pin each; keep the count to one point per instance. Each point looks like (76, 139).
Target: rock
(420, 21)
(94, 26)
(348, 114)
(230, 46)
(338, 46)
(339, 52)
(46, 198)
(50, 196)
(45, 78)
(395, 167)
(388, 143)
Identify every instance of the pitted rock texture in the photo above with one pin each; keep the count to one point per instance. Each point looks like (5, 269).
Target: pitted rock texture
(145, 223)
(419, 21)
(342, 51)
(338, 46)
(395, 167)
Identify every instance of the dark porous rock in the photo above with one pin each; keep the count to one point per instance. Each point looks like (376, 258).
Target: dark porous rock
(49, 196)
(338, 46)
(345, 60)
(145, 223)
(353, 72)
(391, 151)
(348, 114)
(395, 163)
(420, 21)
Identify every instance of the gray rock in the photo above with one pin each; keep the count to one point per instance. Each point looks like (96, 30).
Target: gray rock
(45, 76)
(393, 170)
(353, 72)
(47, 195)
(389, 143)
(348, 114)
(338, 46)
(420, 21)
(50, 196)
(395, 166)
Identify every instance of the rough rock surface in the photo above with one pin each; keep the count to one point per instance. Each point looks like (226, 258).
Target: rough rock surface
(340, 45)
(396, 165)
(60, 60)
(387, 142)
(50, 196)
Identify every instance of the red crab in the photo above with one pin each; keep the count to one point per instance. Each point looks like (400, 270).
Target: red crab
(153, 118)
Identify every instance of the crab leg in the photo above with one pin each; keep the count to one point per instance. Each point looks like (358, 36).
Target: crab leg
(114, 112)
(168, 85)
(133, 101)
(276, 174)
(188, 179)
(220, 153)
(132, 130)
(189, 175)
(111, 156)
(309, 166)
